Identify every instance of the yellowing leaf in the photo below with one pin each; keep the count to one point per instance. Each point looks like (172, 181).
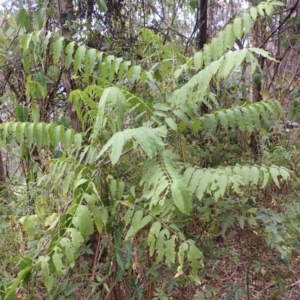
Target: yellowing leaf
(265, 94)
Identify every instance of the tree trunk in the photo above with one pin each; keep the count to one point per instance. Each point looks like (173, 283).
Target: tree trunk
(202, 21)
(202, 37)
(255, 92)
(66, 16)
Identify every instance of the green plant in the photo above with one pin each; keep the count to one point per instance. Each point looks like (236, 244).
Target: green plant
(141, 218)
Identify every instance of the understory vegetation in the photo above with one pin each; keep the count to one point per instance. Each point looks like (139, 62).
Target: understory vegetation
(136, 165)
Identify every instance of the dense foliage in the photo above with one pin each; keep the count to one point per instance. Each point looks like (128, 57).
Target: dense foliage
(140, 162)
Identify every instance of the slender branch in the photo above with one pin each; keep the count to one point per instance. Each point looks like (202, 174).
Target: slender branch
(292, 9)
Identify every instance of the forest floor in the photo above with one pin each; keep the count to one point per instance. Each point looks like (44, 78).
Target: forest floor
(249, 266)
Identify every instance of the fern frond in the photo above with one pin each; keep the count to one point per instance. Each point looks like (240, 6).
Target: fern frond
(244, 118)
(148, 139)
(196, 90)
(87, 61)
(165, 244)
(216, 182)
(260, 175)
(108, 106)
(96, 106)
(162, 180)
(62, 174)
(42, 134)
(114, 96)
(63, 249)
(227, 37)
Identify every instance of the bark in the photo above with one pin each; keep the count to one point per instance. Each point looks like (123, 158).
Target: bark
(202, 21)
(66, 16)
(202, 38)
(255, 93)
(89, 11)
(256, 86)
